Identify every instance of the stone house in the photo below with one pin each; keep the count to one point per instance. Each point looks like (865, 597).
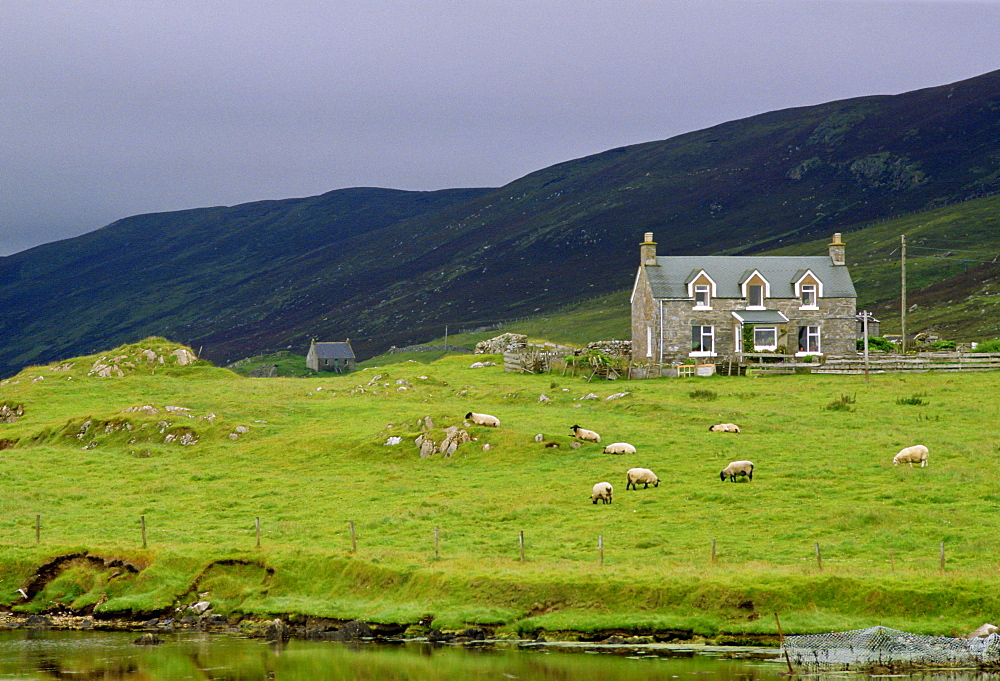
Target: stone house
(705, 307)
(333, 356)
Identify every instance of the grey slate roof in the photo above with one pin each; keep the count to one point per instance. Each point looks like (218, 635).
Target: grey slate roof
(338, 350)
(669, 279)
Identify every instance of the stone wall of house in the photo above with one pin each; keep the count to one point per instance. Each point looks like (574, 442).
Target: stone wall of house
(835, 317)
(644, 315)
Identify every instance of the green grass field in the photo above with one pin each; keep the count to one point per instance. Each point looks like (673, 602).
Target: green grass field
(314, 460)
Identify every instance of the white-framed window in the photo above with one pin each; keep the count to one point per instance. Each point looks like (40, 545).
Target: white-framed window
(702, 341)
(765, 338)
(809, 340)
(702, 296)
(755, 296)
(808, 294)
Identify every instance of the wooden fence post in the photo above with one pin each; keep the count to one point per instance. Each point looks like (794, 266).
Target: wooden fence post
(819, 558)
(713, 552)
(437, 535)
(256, 524)
(142, 518)
(520, 543)
(38, 528)
(942, 556)
(600, 547)
(354, 540)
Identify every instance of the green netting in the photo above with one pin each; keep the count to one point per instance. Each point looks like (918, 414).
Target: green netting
(884, 647)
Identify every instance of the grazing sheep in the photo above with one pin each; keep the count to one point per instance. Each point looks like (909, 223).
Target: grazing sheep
(483, 419)
(619, 448)
(724, 428)
(911, 455)
(737, 468)
(584, 434)
(643, 475)
(602, 491)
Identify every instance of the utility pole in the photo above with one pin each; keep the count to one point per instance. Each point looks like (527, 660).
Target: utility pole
(902, 306)
(864, 329)
(446, 339)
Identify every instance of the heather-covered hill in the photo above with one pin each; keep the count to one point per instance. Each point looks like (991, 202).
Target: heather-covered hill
(385, 267)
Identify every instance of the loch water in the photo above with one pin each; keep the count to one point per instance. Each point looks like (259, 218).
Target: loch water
(41, 654)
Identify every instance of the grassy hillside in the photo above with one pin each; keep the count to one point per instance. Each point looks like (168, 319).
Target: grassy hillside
(952, 269)
(386, 267)
(91, 455)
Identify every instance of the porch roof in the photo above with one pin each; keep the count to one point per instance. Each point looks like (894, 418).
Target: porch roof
(760, 316)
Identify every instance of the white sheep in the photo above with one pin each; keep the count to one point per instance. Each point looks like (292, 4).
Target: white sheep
(643, 475)
(724, 428)
(911, 455)
(483, 419)
(737, 468)
(602, 491)
(584, 434)
(619, 448)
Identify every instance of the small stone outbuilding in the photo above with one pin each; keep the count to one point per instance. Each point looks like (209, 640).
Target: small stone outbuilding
(331, 356)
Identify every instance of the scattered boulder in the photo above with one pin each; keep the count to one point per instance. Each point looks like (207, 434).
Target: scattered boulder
(10, 413)
(148, 639)
(543, 398)
(184, 356)
(276, 630)
(200, 607)
(539, 437)
(983, 631)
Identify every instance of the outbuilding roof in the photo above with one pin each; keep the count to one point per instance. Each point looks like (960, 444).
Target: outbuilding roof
(669, 279)
(334, 350)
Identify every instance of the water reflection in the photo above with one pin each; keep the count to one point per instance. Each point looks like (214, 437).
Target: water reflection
(108, 656)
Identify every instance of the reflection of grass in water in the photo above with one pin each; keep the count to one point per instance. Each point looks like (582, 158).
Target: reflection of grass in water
(314, 460)
(112, 655)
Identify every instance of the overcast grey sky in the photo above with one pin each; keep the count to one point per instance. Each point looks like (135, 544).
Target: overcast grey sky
(110, 108)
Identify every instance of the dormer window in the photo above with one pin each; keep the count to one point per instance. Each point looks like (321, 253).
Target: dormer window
(809, 290)
(809, 297)
(755, 296)
(702, 296)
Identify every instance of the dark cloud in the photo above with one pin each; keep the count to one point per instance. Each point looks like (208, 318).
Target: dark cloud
(112, 108)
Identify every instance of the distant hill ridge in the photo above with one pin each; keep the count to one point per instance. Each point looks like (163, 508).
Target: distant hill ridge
(387, 267)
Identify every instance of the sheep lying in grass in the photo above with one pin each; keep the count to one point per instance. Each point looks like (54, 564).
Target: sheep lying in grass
(643, 475)
(724, 428)
(584, 434)
(737, 468)
(911, 455)
(602, 491)
(483, 419)
(619, 448)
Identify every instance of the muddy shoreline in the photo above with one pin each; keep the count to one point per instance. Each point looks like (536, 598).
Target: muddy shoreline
(673, 643)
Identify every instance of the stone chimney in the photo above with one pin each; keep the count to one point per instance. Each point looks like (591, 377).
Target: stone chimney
(647, 251)
(837, 250)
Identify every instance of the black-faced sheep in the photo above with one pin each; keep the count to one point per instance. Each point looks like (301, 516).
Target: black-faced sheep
(643, 475)
(602, 491)
(737, 468)
(911, 455)
(619, 448)
(483, 419)
(584, 434)
(724, 428)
